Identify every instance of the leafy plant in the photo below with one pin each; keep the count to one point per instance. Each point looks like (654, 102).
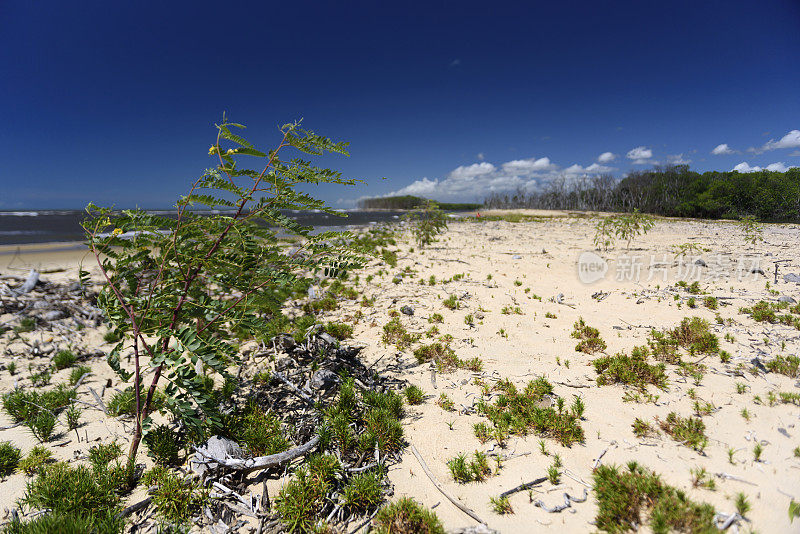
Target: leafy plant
(427, 222)
(179, 288)
(752, 229)
(64, 359)
(413, 394)
(625, 226)
(37, 457)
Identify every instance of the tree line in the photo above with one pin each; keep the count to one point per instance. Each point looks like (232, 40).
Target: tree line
(673, 191)
(410, 202)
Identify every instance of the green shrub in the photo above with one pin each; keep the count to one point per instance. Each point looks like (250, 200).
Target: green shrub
(65, 524)
(414, 395)
(362, 492)
(637, 496)
(630, 370)
(340, 331)
(406, 516)
(9, 457)
(785, 365)
(688, 430)
(176, 498)
(451, 302)
(590, 341)
(37, 457)
(259, 431)
(464, 469)
(76, 492)
(64, 359)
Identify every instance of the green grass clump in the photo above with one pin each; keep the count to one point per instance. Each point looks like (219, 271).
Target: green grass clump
(694, 335)
(785, 365)
(637, 496)
(500, 505)
(451, 302)
(711, 303)
(112, 336)
(406, 516)
(394, 333)
(124, 402)
(688, 430)
(326, 303)
(9, 458)
(23, 405)
(26, 324)
(77, 373)
(414, 395)
(164, 445)
(445, 357)
(464, 469)
(64, 359)
(340, 331)
(631, 370)
(259, 431)
(79, 493)
(643, 429)
(376, 413)
(390, 257)
(590, 341)
(515, 412)
(176, 498)
(362, 492)
(37, 457)
(436, 318)
(300, 500)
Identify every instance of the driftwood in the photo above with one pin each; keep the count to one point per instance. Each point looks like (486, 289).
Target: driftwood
(523, 487)
(444, 492)
(568, 500)
(247, 465)
(99, 401)
(296, 390)
(29, 284)
(135, 507)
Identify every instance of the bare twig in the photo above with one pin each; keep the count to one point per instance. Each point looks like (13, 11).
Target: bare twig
(444, 492)
(262, 462)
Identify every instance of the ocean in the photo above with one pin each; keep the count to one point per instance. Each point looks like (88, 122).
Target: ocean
(54, 226)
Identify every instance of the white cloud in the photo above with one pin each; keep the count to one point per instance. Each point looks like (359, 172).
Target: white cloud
(678, 159)
(790, 140)
(606, 157)
(780, 167)
(480, 156)
(722, 149)
(745, 167)
(526, 167)
(640, 155)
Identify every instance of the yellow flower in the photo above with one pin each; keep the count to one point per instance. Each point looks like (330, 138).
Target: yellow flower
(116, 232)
(230, 151)
(213, 150)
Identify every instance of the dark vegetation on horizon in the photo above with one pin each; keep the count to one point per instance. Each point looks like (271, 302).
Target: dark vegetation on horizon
(673, 191)
(409, 202)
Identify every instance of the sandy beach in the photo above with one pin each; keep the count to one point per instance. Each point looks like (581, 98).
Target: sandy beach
(519, 289)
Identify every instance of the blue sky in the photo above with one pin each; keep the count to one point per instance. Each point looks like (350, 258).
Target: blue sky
(115, 102)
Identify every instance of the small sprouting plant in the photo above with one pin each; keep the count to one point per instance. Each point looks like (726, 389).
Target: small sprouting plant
(701, 479)
(689, 431)
(436, 318)
(731, 454)
(758, 449)
(543, 447)
(42, 425)
(77, 373)
(445, 403)
(500, 505)
(553, 474)
(466, 469)
(752, 230)
(73, 417)
(625, 226)
(643, 429)
(742, 504)
(745, 414)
